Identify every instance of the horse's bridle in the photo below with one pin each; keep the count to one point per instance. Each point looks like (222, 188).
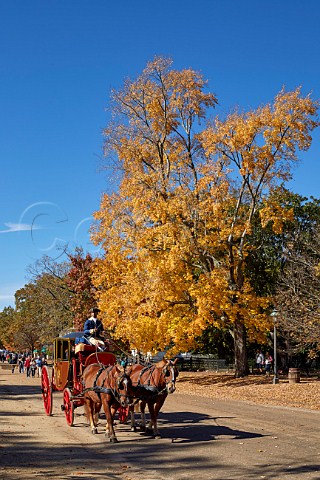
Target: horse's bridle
(170, 366)
(123, 398)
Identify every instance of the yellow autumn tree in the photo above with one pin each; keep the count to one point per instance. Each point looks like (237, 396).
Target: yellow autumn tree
(175, 232)
(144, 277)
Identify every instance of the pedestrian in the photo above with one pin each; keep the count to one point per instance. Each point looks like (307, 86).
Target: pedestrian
(14, 361)
(21, 363)
(268, 363)
(39, 365)
(259, 361)
(27, 365)
(33, 367)
(123, 360)
(22, 359)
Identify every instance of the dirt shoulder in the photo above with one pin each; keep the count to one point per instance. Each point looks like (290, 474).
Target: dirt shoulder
(254, 389)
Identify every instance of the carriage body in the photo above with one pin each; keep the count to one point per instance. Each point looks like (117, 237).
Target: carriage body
(70, 357)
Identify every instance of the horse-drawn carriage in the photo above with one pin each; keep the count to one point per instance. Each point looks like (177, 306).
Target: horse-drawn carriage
(89, 375)
(70, 358)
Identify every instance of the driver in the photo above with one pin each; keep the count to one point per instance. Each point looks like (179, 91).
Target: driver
(93, 327)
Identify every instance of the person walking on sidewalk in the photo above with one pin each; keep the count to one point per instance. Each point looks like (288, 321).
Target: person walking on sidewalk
(27, 365)
(259, 361)
(268, 363)
(39, 365)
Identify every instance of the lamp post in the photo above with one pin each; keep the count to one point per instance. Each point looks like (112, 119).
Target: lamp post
(275, 366)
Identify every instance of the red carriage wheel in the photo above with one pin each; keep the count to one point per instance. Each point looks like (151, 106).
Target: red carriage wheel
(46, 388)
(68, 407)
(123, 413)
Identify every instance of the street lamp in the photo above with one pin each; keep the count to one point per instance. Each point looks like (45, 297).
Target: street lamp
(275, 367)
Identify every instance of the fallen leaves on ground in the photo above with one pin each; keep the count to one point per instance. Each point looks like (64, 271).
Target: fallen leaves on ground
(254, 389)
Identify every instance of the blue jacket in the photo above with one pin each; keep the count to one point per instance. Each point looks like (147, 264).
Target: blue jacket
(90, 323)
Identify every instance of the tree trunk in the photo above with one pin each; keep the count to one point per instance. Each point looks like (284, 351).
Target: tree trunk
(240, 349)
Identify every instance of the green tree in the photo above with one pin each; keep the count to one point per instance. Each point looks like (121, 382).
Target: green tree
(298, 289)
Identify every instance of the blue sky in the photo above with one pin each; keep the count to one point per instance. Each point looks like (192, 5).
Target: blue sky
(59, 61)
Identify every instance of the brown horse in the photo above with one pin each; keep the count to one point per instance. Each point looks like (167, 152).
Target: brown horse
(107, 387)
(151, 386)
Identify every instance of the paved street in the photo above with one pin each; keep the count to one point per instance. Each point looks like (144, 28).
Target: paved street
(202, 439)
(226, 440)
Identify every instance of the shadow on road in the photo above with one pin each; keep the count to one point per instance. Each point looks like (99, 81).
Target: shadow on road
(194, 427)
(194, 445)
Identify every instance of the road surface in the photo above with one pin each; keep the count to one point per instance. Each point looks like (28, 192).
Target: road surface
(202, 439)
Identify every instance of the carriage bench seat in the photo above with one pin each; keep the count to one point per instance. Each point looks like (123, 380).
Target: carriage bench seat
(82, 347)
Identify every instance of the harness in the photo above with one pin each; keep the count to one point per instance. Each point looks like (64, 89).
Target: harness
(98, 389)
(147, 386)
